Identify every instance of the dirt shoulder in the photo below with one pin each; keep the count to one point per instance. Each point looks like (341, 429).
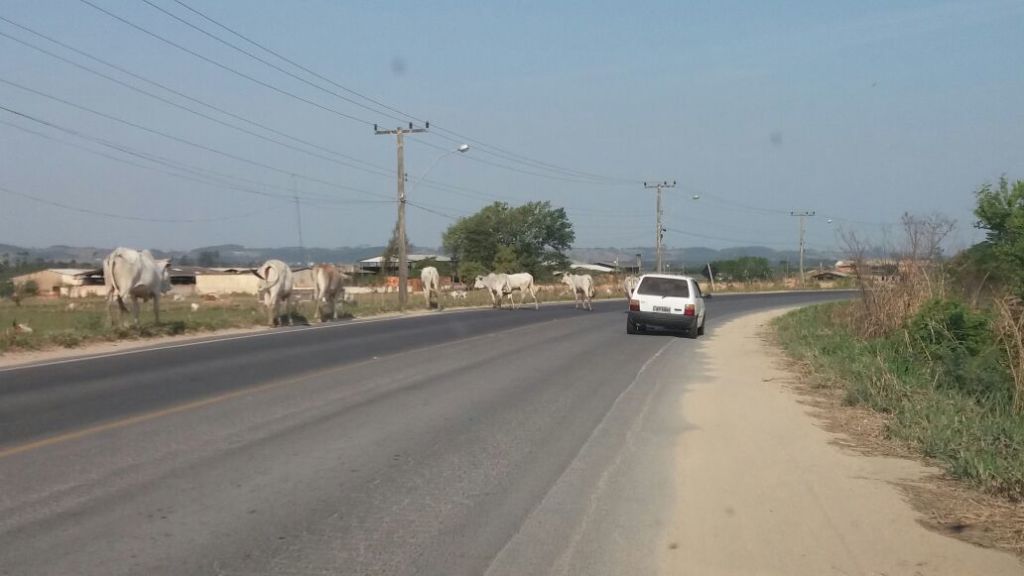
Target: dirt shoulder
(764, 488)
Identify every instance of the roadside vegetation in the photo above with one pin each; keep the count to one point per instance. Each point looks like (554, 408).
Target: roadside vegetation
(937, 345)
(48, 322)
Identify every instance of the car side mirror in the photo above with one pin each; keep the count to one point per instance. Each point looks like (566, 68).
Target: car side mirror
(707, 296)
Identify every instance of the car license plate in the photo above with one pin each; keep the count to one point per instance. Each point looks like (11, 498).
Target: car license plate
(662, 309)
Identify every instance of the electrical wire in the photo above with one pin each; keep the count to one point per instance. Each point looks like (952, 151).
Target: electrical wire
(124, 216)
(227, 68)
(178, 139)
(178, 93)
(484, 147)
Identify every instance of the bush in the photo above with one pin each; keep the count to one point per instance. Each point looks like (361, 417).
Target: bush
(30, 288)
(960, 347)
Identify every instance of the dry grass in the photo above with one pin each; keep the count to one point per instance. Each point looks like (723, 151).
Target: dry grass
(1009, 325)
(64, 323)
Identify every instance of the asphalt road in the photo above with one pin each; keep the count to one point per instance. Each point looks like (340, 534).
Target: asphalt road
(471, 442)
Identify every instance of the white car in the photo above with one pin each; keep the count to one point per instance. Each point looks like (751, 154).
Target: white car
(666, 301)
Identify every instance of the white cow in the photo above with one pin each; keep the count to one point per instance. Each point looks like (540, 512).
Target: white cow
(327, 290)
(522, 282)
(431, 284)
(630, 284)
(275, 287)
(135, 275)
(582, 285)
(496, 285)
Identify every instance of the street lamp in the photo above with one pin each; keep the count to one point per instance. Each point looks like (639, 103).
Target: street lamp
(403, 257)
(463, 148)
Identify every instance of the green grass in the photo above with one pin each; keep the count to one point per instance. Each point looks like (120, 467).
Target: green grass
(53, 324)
(949, 402)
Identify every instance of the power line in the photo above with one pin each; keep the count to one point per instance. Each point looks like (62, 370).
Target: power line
(501, 153)
(178, 93)
(226, 67)
(723, 239)
(177, 139)
(513, 168)
(519, 158)
(200, 114)
(265, 62)
(373, 168)
(124, 216)
(190, 173)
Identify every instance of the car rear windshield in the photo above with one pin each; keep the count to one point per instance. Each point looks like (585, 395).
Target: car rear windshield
(674, 287)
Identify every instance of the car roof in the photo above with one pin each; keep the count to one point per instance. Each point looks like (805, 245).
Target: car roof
(674, 276)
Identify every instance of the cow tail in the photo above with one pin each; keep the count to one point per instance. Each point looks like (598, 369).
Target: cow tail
(113, 282)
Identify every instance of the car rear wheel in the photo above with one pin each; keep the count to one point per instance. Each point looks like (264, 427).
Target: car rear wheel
(693, 331)
(631, 327)
(700, 331)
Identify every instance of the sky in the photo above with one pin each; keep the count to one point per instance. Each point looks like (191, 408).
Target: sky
(145, 128)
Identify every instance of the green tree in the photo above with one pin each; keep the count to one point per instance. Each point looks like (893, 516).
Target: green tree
(1000, 213)
(533, 237)
(506, 260)
(389, 263)
(745, 269)
(443, 268)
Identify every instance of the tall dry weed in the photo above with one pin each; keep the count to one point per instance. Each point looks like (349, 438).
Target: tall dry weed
(1009, 325)
(894, 289)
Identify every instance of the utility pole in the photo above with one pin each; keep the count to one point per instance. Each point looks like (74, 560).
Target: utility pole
(403, 258)
(298, 220)
(803, 215)
(660, 231)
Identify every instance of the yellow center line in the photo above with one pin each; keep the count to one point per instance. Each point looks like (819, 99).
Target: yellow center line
(147, 416)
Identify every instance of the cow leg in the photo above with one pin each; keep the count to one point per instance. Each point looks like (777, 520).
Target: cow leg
(135, 310)
(536, 303)
(156, 308)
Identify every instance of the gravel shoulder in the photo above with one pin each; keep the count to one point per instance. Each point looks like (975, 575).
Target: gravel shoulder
(762, 488)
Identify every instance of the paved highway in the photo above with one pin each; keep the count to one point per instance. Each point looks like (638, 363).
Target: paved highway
(468, 442)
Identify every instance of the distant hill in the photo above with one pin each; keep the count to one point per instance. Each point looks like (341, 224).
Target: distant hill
(699, 256)
(237, 255)
(225, 255)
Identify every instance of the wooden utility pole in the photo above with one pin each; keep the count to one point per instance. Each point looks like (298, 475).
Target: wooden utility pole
(660, 231)
(403, 258)
(803, 215)
(298, 221)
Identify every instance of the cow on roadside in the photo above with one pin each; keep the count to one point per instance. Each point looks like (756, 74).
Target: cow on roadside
(582, 286)
(135, 275)
(431, 280)
(496, 285)
(629, 284)
(522, 282)
(327, 290)
(275, 287)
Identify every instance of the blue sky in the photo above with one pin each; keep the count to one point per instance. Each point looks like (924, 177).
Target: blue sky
(858, 110)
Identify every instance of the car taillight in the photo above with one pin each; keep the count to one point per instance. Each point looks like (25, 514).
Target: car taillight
(690, 310)
(634, 305)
